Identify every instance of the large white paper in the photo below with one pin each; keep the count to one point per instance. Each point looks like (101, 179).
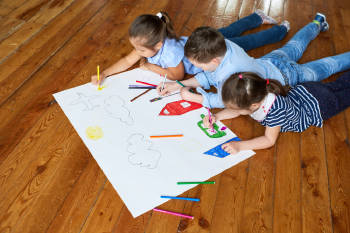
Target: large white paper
(139, 168)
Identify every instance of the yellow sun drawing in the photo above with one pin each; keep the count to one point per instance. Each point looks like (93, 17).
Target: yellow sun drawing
(94, 132)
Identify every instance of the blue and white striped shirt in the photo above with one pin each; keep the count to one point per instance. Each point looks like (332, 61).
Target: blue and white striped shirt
(295, 112)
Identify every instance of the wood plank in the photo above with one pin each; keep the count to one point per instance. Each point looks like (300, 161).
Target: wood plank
(23, 195)
(72, 66)
(22, 65)
(77, 205)
(19, 104)
(228, 209)
(105, 213)
(287, 209)
(337, 134)
(36, 23)
(21, 13)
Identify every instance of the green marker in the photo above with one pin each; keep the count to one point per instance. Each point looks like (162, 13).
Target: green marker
(180, 83)
(205, 182)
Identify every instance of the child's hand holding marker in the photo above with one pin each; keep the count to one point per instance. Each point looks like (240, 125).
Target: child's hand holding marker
(98, 81)
(168, 88)
(208, 121)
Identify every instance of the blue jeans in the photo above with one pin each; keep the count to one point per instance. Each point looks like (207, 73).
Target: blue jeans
(254, 40)
(286, 57)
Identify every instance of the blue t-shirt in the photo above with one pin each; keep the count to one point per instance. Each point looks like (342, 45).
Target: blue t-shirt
(171, 54)
(235, 60)
(295, 112)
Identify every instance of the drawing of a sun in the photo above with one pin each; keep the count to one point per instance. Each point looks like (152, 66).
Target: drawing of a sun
(94, 132)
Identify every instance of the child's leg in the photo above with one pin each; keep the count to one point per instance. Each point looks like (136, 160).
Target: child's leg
(255, 40)
(333, 97)
(238, 27)
(296, 46)
(322, 68)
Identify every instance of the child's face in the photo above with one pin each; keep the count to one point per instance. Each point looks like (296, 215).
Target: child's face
(143, 51)
(211, 66)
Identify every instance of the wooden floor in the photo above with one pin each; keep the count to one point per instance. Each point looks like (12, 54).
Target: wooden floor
(49, 182)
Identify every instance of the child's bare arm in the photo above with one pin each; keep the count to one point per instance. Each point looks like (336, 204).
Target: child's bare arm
(262, 142)
(173, 73)
(173, 86)
(121, 65)
(222, 115)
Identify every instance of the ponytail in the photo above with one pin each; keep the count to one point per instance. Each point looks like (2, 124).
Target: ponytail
(152, 29)
(247, 88)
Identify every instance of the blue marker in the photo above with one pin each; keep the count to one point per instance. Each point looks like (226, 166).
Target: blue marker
(181, 198)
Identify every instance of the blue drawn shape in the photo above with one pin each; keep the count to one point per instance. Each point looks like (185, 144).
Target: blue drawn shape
(218, 151)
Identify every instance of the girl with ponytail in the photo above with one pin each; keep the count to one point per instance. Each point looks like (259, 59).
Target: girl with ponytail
(279, 108)
(160, 50)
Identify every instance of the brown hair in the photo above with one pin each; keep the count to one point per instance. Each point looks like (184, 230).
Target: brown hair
(205, 44)
(152, 28)
(247, 88)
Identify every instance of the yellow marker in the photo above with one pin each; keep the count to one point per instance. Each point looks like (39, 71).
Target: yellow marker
(94, 132)
(98, 77)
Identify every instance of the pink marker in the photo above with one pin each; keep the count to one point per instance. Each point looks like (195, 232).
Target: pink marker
(211, 125)
(173, 213)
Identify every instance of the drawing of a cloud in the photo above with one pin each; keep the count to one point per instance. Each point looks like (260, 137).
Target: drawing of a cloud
(140, 152)
(115, 107)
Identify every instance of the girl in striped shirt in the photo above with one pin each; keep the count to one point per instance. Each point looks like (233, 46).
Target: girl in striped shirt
(279, 108)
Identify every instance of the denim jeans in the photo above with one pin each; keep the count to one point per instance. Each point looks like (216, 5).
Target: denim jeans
(254, 40)
(333, 97)
(286, 57)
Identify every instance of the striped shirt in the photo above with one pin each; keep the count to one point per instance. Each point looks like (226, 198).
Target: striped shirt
(295, 112)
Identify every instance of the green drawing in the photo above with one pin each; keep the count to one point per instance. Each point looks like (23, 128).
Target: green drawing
(216, 134)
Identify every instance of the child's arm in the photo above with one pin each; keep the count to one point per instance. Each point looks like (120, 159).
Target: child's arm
(222, 115)
(121, 65)
(173, 73)
(262, 142)
(173, 86)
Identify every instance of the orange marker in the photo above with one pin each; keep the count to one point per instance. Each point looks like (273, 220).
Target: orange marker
(167, 136)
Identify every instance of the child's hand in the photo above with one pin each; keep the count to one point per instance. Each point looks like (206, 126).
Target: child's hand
(169, 87)
(206, 122)
(231, 147)
(95, 81)
(186, 94)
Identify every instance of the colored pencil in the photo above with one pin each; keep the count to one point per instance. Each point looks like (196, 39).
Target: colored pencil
(146, 83)
(166, 136)
(163, 82)
(211, 125)
(161, 97)
(98, 77)
(183, 85)
(180, 83)
(140, 95)
(195, 182)
(144, 87)
(181, 198)
(173, 213)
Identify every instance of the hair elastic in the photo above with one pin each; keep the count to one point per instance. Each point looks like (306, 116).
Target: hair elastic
(159, 14)
(267, 81)
(240, 76)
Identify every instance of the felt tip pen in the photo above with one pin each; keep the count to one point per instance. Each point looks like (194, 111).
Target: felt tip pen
(181, 198)
(195, 182)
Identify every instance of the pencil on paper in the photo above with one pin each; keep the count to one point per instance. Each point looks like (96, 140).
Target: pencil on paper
(149, 84)
(167, 136)
(163, 82)
(98, 77)
(140, 95)
(173, 213)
